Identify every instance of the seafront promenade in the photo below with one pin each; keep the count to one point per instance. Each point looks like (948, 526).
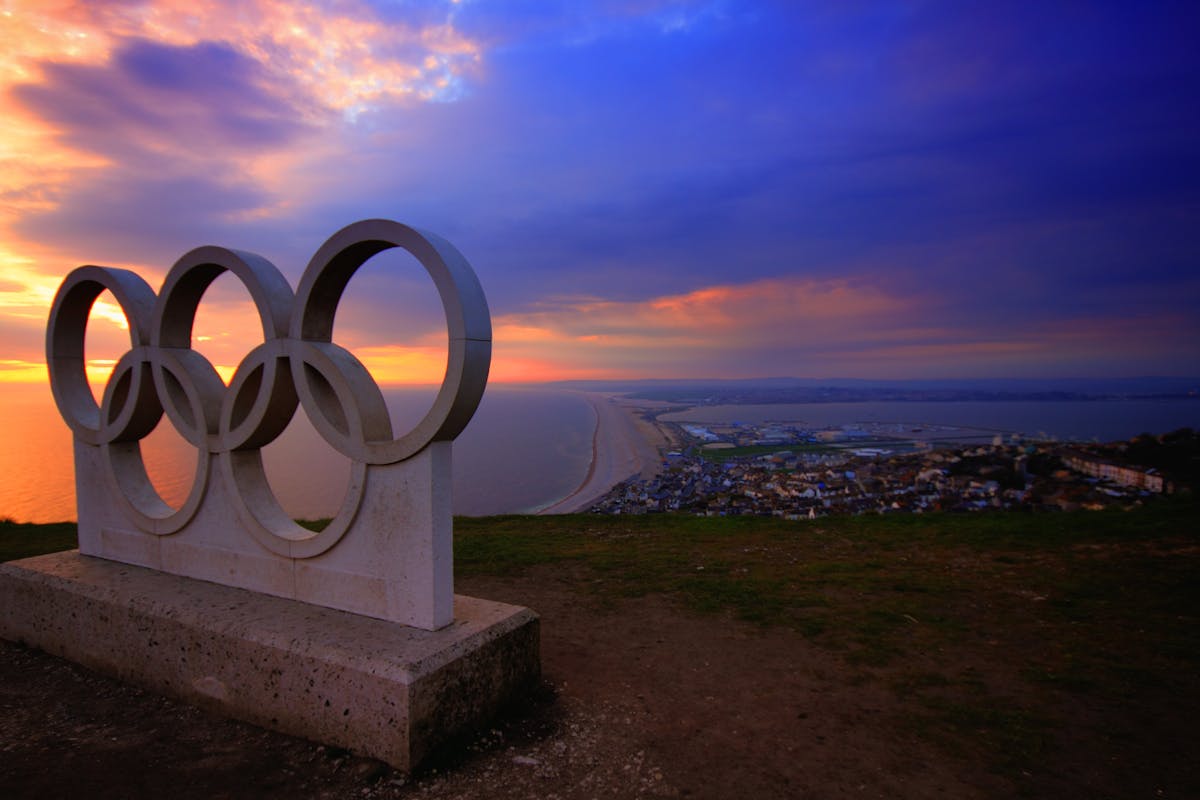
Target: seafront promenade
(623, 446)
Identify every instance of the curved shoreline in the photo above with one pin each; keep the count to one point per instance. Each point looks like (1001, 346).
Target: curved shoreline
(619, 451)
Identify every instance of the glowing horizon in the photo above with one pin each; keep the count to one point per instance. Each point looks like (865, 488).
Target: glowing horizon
(677, 188)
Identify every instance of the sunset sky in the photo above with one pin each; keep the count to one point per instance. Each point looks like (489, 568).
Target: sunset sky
(646, 188)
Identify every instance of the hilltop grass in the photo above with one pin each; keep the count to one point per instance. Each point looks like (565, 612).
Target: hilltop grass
(1101, 607)
(873, 585)
(1094, 607)
(25, 539)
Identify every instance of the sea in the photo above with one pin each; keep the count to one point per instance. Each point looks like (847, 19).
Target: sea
(525, 449)
(1064, 420)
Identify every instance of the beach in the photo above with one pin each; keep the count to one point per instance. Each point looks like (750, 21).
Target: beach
(623, 445)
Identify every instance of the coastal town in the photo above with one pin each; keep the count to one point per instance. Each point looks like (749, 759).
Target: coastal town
(784, 470)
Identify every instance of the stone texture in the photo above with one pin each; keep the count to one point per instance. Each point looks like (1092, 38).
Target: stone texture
(351, 635)
(387, 552)
(394, 562)
(382, 689)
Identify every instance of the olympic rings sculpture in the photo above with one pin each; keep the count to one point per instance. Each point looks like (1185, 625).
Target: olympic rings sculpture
(296, 364)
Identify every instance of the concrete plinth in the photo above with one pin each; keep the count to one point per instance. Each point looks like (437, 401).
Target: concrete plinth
(377, 688)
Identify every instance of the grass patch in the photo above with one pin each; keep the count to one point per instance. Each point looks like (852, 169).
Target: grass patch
(1013, 738)
(959, 713)
(1052, 611)
(23, 539)
(1089, 604)
(722, 454)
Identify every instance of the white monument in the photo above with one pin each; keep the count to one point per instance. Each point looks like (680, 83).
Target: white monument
(407, 662)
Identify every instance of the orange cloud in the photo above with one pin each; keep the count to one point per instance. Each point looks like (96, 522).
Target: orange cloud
(399, 364)
(760, 311)
(325, 62)
(684, 335)
(515, 369)
(26, 293)
(344, 57)
(801, 327)
(14, 370)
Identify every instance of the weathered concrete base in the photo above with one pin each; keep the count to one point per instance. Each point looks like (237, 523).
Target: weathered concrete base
(378, 688)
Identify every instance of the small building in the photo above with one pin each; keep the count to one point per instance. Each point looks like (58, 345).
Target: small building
(1123, 474)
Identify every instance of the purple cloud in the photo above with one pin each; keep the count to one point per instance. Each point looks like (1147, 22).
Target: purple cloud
(155, 103)
(1021, 164)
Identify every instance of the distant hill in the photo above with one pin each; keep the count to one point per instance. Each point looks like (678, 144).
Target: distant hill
(843, 390)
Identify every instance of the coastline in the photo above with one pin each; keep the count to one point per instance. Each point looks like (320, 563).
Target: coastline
(622, 446)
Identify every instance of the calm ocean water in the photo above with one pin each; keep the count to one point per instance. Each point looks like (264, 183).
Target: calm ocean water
(1103, 420)
(525, 448)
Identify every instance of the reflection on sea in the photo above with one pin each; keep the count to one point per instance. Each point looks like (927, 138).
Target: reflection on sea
(524, 448)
